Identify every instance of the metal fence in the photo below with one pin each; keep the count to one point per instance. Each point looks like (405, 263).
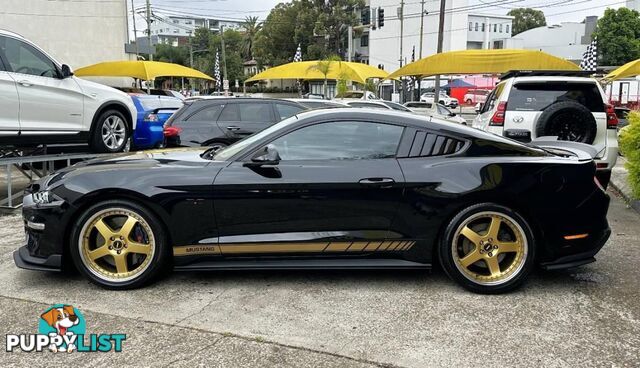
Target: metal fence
(32, 167)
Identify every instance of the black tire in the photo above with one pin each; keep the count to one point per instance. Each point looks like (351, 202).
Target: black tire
(157, 263)
(469, 102)
(441, 102)
(569, 121)
(514, 275)
(98, 144)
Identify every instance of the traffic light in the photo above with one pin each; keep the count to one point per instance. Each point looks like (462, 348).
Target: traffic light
(380, 17)
(365, 16)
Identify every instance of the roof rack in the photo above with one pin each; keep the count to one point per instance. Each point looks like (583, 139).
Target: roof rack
(537, 73)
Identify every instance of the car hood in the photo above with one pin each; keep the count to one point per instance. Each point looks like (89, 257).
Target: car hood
(141, 161)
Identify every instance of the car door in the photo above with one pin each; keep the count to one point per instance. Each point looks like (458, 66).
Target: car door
(335, 189)
(241, 119)
(9, 105)
(48, 102)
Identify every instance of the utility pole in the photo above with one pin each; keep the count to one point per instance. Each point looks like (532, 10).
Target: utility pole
(401, 16)
(224, 58)
(149, 28)
(420, 52)
(135, 32)
(349, 42)
(436, 94)
(421, 27)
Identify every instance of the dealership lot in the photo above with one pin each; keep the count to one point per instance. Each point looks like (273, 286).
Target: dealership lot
(589, 316)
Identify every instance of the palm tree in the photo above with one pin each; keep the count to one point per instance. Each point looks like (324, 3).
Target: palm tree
(251, 27)
(324, 67)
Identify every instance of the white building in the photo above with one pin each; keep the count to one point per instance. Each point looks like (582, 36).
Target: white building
(462, 30)
(175, 30)
(77, 33)
(567, 40)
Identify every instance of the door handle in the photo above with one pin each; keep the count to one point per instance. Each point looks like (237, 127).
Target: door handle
(233, 128)
(381, 182)
(25, 83)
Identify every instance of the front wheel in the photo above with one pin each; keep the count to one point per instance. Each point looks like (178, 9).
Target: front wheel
(488, 249)
(110, 134)
(119, 245)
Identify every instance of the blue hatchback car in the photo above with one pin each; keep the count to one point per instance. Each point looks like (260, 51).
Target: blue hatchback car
(153, 111)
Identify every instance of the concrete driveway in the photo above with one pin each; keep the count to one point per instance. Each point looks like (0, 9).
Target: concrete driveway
(589, 316)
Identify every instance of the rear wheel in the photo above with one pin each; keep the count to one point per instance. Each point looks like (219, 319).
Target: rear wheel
(119, 245)
(110, 133)
(488, 249)
(469, 102)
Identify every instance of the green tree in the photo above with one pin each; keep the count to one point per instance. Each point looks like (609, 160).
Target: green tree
(618, 35)
(630, 147)
(170, 54)
(324, 67)
(319, 26)
(251, 28)
(526, 18)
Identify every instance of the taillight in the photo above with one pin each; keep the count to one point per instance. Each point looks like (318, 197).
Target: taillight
(498, 117)
(612, 118)
(170, 131)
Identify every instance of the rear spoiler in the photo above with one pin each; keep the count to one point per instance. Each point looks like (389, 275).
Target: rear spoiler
(582, 150)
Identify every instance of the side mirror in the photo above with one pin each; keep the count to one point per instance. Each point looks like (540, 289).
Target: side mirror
(267, 155)
(66, 71)
(452, 114)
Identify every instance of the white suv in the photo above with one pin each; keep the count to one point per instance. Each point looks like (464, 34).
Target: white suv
(41, 102)
(568, 105)
(443, 100)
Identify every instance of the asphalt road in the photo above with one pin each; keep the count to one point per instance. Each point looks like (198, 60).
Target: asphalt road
(585, 317)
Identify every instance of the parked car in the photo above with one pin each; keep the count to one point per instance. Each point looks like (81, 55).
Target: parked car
(434, 110)
(444, 99)
(474, 96)
(44, 103)
(569, 105)
(360, 95)
(220, 122)
(326, 189)
(378, 104)
(166, 92)
(311, 103)
(153, 112)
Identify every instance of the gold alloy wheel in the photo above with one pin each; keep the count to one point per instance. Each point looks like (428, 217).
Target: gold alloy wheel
(489, 248)
(116, 244)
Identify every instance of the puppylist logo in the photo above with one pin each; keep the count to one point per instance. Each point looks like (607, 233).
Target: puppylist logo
(62, 328)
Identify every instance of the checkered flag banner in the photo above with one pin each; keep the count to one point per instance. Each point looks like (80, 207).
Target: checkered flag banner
(590, 57)
(298, 56)
(216, 72)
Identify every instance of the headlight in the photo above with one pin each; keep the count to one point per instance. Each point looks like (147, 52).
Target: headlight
(42, 197)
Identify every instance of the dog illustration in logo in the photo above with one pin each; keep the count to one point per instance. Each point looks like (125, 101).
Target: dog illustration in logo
(61, 319)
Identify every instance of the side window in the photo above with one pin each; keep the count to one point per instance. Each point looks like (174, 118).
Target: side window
(24, 58)
(286, 110)
(340, 141)
(230, 113)
(493, 97)
(443, 110)
(207, 114)
(255, 112)
(427, 144)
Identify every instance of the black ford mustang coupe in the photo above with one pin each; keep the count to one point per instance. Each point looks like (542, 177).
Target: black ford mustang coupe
(332, 189)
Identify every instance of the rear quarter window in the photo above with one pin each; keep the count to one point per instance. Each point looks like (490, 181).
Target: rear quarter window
(539, 96)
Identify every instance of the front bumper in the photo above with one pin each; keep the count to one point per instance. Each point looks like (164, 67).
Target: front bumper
(23, 259)
(579, 259)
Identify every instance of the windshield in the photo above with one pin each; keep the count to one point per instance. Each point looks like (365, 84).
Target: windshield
(226, 153)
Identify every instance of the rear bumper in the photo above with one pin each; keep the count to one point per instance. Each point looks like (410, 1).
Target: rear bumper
(579, 259)
(23, 259)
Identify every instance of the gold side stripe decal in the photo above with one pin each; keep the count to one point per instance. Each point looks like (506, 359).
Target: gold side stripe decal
(293, 247)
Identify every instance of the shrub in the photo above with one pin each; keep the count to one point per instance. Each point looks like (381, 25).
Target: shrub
(630, 147)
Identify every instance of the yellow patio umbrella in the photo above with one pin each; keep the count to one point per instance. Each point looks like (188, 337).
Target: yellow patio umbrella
(356, 72)
(483, 62)
(630, 69)
(141, 69)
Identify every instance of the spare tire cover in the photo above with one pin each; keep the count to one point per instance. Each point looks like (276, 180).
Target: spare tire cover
(569, 121)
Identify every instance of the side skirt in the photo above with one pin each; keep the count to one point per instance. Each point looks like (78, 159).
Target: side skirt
(309, 264)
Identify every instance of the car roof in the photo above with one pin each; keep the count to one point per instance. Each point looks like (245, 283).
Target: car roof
(10, 33)
(373, 102)
(240, 100)
(553, 78)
